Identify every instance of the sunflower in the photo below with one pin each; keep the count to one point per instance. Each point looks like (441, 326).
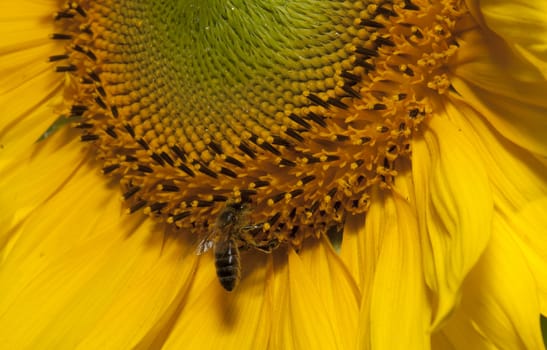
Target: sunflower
(371, 174)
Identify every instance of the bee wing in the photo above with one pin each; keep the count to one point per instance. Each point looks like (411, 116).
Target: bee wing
(205, 243)
(252, 227)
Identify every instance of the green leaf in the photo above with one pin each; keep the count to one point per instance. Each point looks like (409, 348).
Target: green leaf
(335, 235)
(544, 329)
(56, 126)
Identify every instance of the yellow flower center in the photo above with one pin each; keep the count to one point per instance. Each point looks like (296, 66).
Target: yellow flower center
(294, 109)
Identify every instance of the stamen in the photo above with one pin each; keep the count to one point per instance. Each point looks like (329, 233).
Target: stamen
(203, 169)
(228, 172)
(62, 15)
(64, 69)
(60, 36)
(130, 192)
(320, 120)
(89, 137)
(137, 206)
(299, 121)
(57, 58)
(317, 100)
(294, 134)
(110, 168)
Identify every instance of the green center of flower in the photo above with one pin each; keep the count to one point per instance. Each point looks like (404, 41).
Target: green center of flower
(294, 108)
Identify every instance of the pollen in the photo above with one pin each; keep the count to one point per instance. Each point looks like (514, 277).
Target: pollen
(297, 109)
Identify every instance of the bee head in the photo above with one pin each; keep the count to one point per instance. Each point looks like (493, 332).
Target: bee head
(227, 217)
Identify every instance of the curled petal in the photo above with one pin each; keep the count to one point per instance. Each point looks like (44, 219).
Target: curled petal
(500, 297)
(528, 226)
(523, 25)
(519, 186)
(511, 99)
(455, 201)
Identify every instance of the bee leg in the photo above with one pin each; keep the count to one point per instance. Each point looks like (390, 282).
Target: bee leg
(251, 229)
(247, 237)
(267, 246)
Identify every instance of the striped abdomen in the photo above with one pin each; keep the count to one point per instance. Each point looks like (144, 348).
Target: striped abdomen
(227, 263)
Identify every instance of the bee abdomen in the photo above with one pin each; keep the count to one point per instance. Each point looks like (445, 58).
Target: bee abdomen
(227, 264)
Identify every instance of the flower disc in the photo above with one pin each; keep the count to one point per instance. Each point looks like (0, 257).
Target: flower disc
(296, 109)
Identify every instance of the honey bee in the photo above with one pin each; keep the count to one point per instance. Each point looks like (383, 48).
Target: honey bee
(230, 227)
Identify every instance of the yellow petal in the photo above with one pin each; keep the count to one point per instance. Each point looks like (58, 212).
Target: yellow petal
(29, 180)
(395, 312)
(337, 290)
(301, 318)
(439, 341)
(507, 91)
(517, 176)
(522, 24)
(358, 249)
(28, 82)
(454, 204)
(461, 333)
(529, 228)
(24, 22)
(500, 296)
(519, 183)
(27, 115)
(81, 273)
(28, 91)
(353, 249)
(212, 318)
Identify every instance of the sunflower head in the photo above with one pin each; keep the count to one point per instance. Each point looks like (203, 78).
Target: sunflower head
(413, 129)
(295, 109)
